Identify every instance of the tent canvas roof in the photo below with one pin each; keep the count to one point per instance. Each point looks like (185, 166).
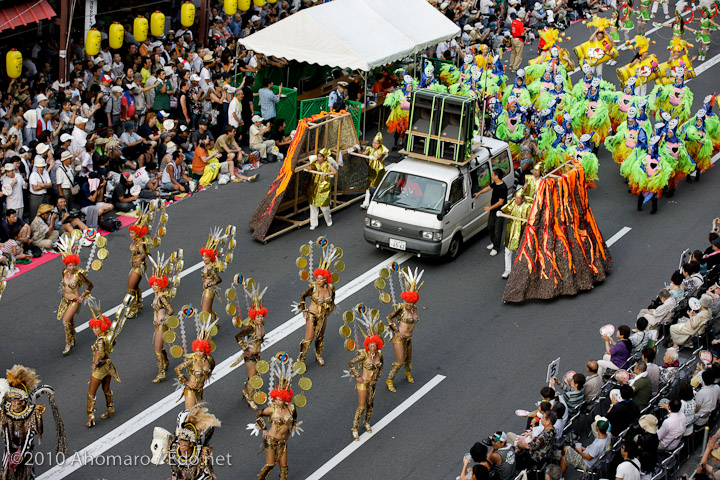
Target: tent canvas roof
(354, 34)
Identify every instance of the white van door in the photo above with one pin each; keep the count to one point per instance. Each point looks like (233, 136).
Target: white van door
(480, 177)
(456, 217)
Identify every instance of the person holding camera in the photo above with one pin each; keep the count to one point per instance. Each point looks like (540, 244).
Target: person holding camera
(92, 193)
(42, 228)
(67, 220)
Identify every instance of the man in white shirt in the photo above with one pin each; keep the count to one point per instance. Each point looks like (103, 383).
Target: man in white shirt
(452, 45)
(629, 469)
(79, 136)
(706, 399)
(235, 109)
(663, 313)
(673, 427)
(257, 142)
(208, 59)
(13, 183)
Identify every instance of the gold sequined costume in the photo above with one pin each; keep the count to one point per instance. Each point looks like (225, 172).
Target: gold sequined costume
(197, 374)
(324, 305)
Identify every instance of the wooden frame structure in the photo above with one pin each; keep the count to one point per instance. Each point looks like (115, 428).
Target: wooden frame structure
(322, 131)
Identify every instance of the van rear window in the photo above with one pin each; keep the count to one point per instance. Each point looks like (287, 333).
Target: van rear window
(502, 161)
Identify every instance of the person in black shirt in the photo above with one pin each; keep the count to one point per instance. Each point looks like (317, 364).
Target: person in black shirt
(497, 200)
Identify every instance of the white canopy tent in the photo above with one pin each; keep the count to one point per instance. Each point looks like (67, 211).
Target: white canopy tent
(355, 34)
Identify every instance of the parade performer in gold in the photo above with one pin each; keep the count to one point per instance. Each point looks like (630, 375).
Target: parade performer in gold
(517, 213)
(251, 336)
(376, 154)
(199, 364)
(322, 167)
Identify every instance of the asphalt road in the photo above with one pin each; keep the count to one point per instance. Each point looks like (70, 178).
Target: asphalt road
(484, 358)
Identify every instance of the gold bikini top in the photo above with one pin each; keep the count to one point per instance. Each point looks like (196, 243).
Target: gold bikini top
(278, 421)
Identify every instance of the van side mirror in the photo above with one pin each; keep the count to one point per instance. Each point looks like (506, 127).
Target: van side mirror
(372, 190)
(446, 207)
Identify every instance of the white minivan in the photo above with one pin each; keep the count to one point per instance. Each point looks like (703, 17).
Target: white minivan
(427, 207)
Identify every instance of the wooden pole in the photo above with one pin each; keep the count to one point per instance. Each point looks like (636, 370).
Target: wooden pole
(63, 55)
(203, 27)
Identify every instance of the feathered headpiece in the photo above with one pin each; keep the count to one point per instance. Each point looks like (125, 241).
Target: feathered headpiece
(641, 43)
(21, 381)
(330, 256)
(146, 215)
(254, 298)
(679, 45)
(219, 246)
(601, 23)
(282, 371)
(411, 294)
(193, 424)
(98, 320)
(70, 245)
(164, 269)
(366, 322)
(550, 36)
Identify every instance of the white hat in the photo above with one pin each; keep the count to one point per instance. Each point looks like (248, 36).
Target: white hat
(168, 70)
(168, 124)
(41, 148)
(255, 18)
(183, 128)
(40, 98)
(117, 89)
(467, 27)
(257, 118)
(163, 113)
(9, 167)
(65, 137)
(171, 147)
(39, 162)
(98, 59)
(79, 120)
(106, 68)
(194, 77)
(65, 155)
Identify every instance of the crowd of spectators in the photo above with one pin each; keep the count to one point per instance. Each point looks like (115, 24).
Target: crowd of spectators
(629, 415)
(152, 119)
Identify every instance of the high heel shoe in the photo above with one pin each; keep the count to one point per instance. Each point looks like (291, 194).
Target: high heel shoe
(68, 348)
(110, 407)
(90, 411)
(91, 420)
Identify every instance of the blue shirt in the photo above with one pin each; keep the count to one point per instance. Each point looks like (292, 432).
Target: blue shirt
(267, 100)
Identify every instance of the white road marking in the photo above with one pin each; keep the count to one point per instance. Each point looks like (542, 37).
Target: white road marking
(384, 422)
(623, 231)
(715, 158)
(707, 64)
(170, 402)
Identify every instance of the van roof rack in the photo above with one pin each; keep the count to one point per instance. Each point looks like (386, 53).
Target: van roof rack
(441, 161)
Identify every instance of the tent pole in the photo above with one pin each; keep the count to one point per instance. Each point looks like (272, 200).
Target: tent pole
(365, 105)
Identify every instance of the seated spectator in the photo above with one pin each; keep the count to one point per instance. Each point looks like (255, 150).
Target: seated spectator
(707, 398)
(66, 220)
(653, 371)
(641, 385)
(553, 472)
(593, 382)
(673, 427)
(712, 259)
(228, 148)
(122, 199)
(623, 412)
(682, 331)
(258, 142)
(132, 144)
(540, 447)
(502, 457)
(629, 469)
(587, 457)
(146, 178)
(617, 352)
(662, 314)
(675, 288)
(647, 442)
(42, 228)
(282, 141)
(174, 177)
(202, 158)
(12, 249)
(480, 466)
(687, 401)
(710, 457)
(11, 224)
(572, 393)
(670, 367)
(92, 193)
(692, 278)
(642, 336)
(148, 130)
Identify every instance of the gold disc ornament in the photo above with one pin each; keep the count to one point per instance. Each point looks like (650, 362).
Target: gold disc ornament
(230, 309)
(304, 275)
(345, 331)
(385, 297)
(102, 254)
(176, 351)
(350, 345)
(161, 231)
(262, 367)
(340, 266)
(230, 294)
(260, 398)
(169, 336)
(379, 283)
(301, 262)
(299, 368)
(335, 277)
(256, 382)
(348, 317)
(96, 264)
(300, 400)
(305, 383)
(172, 321)
(305, 250)
(204, 316)
(384, 273)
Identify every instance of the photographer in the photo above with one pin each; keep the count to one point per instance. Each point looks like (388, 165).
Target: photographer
(122, 199)
(91, 194)
(68, 220)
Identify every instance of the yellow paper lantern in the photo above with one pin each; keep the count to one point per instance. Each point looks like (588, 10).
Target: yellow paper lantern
(140, 29)
(116, 35)
(271, 1)
(157, 24)
(187, 14)
(259, 3)
(92, 42)
(231, 7)
(13, 63)
(244, 5)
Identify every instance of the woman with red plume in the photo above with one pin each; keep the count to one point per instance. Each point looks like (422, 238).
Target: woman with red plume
(73, 278)
(371, 365)
(199, 366)
(406, 316)
(322, 303)
(103, 370)
(251, 336)
(283, 419)
(138, 253)
(211, 279)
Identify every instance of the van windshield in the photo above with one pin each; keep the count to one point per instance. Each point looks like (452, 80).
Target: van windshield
(410, 191)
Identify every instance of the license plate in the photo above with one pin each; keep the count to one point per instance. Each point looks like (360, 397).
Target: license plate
(398, 244)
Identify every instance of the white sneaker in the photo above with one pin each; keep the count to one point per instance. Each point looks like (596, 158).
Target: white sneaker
(312, 227)
(364, 206)
(505, 274)
(490, 247)
(493, 252)
(329, 224)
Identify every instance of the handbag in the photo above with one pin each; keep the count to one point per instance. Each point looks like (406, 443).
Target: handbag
(74, 187)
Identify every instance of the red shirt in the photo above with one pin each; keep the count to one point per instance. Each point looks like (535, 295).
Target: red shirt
(517, 28)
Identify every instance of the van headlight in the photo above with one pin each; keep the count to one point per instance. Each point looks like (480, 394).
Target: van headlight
(372, 223)
(431, 236)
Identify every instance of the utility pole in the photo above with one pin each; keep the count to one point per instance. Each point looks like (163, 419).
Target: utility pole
(62, 46)
(203, 27)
